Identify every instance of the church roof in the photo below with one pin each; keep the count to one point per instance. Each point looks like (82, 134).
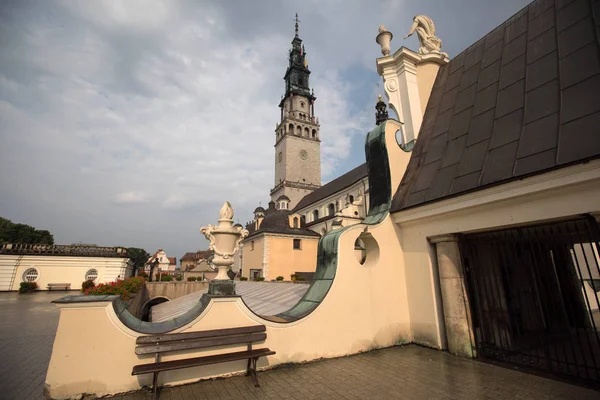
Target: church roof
(278, 222)
(521, 101)
(336, 185)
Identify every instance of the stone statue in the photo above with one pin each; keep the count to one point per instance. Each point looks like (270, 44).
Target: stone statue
(425, 29)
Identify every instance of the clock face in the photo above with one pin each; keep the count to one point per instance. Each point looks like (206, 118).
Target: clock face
(303, 154)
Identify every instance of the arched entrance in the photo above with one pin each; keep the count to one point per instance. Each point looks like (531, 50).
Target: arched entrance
(148, 306)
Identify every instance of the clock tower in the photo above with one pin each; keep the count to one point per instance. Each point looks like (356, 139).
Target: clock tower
(297, 143)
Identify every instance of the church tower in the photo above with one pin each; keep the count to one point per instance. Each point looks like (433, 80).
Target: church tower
(297, 143)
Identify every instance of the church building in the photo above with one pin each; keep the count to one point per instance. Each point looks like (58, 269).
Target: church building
(283, 238)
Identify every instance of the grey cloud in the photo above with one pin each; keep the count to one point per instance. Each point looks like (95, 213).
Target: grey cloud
(124, 123)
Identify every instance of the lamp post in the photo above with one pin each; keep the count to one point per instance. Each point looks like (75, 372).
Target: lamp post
(224, 241)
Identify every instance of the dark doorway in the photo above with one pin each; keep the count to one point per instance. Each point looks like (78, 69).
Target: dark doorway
(147, 309)
(534, 296)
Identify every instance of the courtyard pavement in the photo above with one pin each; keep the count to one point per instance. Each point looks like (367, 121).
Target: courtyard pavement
(27, 327)
(28, 324)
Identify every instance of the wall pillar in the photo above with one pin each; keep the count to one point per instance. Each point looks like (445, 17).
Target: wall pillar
(405, 85)
(455, 300)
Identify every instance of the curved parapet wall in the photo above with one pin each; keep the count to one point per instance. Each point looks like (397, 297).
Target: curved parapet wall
(327, 253)
(363, 308)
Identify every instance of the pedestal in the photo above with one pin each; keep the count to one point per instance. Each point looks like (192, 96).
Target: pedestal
(221, 287)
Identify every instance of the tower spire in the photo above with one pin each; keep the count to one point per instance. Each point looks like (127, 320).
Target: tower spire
(297, 20)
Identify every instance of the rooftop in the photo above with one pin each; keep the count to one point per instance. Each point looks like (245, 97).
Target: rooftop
(264, 298)
(521, 101)
(75, 250)
(334, 186)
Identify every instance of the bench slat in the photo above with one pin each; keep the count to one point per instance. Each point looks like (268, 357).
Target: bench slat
(198, 361)
(200, 343)
(199, 335)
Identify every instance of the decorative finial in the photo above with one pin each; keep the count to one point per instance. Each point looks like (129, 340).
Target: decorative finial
(297, 20)
(383, 39)
(381, 113)
(226, 211)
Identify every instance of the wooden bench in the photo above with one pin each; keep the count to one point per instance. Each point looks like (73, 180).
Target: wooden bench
(157, 344)
(64, 286)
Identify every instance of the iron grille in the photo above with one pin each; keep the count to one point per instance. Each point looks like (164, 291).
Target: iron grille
(534, 295)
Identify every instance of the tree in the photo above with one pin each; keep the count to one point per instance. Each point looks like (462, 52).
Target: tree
(21, 233)
(138, 257)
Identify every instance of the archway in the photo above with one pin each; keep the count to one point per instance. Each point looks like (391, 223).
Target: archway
(148, 306)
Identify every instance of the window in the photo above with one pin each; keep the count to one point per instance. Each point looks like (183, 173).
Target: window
(280, 156)
(255, 273)
(30, 275)
(296, 222)
(351, 199)
(301, 104)
(91, 275)
(314, 133)
(252, 245)
(315, 215)
(331, 209)
(303, 220)
(297, 243)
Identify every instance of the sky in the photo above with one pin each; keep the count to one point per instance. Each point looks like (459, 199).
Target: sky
(129, 123)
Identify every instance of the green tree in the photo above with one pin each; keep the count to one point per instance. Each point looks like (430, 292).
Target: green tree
(138, 257)
(21, 233)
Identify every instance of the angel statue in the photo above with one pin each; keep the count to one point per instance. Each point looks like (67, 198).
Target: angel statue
(426, 32)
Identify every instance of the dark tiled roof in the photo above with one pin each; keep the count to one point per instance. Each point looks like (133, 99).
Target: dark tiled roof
(63, 250)
(172, 260)
(334, 186)
(198, 255)
(278, 222)
(523, 100)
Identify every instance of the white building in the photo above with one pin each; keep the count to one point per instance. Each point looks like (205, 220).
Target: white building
(164, 263)
(64, 264)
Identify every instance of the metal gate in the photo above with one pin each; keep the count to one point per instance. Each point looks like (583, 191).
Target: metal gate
(534, 296)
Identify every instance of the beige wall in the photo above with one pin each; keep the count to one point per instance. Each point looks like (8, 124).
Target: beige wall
(539, 198)
(253, 259)
(426, 74)
(355, 316)
(60, 269)
(173, 290)
(284, 260)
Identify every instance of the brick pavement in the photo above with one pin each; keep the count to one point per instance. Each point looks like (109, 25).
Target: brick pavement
(408, 372)
(27, 327)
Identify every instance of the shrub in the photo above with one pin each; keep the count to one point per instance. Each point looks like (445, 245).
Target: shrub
(87, 285)
(179, 278)
(243, 278)
(259, 279)
(164, 277)
(297, 277)
(122, 288)
(279, 278)
(191, 278)
(28, 287)
(133, 285)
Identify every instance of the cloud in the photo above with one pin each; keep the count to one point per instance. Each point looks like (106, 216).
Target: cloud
(171, 106)
(131, 197)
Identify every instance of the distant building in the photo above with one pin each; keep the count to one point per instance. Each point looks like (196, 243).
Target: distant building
(64, 264)
(197, 265)
(164, 263)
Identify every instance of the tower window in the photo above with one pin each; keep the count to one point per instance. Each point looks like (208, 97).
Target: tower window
(351, 199)
(331, 209)
(296, 222)
(315, 215)
(301, 104)
(314, 133)
(297, 244)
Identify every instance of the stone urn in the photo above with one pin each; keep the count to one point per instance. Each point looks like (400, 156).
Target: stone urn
(224, 241)
(383, 39)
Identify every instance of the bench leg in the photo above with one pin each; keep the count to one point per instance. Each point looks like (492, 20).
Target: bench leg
(252, 371)
(248, 370)
(155, 387)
